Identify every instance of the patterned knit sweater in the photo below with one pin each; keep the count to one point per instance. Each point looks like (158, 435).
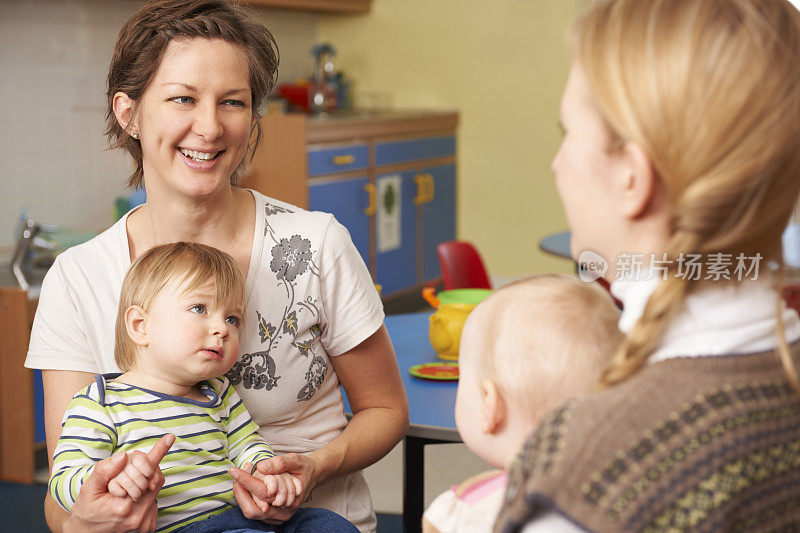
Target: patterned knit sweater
(688, 444)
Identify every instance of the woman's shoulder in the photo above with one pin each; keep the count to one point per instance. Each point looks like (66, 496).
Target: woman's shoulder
(298, 234)
(101, 251)
(284, 218)
(606, 457)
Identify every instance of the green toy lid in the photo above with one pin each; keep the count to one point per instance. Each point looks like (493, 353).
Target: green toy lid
(463, 296)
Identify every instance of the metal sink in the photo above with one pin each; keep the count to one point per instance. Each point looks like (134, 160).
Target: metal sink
(34, 275)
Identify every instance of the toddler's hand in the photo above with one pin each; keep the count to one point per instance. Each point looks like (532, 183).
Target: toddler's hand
(282, 489)
(139, 473)
(133, 480)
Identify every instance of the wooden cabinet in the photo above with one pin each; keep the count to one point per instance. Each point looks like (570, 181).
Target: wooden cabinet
(18, 408)
(321, 6)
(390, 179)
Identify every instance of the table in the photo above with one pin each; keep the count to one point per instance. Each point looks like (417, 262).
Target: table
(556, 244)
(431, 409)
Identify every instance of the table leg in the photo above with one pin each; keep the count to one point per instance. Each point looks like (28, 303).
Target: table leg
(413, 483)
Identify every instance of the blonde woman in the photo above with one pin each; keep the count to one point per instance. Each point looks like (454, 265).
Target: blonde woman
(680, 164)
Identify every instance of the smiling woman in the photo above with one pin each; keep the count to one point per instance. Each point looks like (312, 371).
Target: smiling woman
(185, 84)
(151, 35)
(194, 119)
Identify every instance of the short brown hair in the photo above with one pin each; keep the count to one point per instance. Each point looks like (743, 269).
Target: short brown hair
(143, 39)
(190, 262)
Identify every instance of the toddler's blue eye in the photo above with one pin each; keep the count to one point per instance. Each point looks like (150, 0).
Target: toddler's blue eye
(233, 320)
(198, 308)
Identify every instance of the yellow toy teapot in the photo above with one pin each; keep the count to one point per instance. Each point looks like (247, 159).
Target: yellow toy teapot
(452, 308)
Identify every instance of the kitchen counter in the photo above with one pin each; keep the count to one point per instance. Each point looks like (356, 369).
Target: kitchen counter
(34, 277)
(341, 125)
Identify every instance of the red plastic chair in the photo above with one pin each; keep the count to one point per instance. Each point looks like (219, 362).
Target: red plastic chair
(462, 266)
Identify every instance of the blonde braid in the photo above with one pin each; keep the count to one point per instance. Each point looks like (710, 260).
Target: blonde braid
(661, 308)
(784, 352)
(709, 91)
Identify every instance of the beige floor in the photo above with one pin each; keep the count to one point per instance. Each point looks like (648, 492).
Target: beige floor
(445, 465)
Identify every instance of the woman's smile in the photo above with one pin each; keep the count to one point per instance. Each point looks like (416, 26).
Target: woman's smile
(199, 160)
(195, 118)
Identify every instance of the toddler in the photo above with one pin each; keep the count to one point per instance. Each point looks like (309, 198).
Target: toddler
(180, 310)
(524, 350)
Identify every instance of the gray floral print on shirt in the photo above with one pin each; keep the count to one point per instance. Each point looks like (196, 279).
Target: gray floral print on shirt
(291, 258)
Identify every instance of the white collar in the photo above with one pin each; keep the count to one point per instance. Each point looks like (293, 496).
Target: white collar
(719, 319)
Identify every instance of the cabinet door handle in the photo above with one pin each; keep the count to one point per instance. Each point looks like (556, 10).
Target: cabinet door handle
(347, 159)
(430, 188)
(419, 199)
(370, 209)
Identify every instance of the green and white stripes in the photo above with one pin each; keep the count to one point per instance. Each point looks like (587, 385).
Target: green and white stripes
(108, 416)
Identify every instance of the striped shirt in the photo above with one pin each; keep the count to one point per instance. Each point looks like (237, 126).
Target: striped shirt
(210, 437)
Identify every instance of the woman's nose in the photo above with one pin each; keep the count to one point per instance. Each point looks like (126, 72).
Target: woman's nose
(207, 122)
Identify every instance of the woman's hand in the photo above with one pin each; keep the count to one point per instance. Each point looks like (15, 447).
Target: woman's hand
(252, 494)
(282, 489)
(98, 510)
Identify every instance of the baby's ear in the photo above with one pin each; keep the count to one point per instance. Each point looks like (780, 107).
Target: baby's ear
(136, 325)
(493, 407)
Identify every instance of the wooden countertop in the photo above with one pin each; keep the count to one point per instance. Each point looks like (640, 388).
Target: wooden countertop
(347, 125)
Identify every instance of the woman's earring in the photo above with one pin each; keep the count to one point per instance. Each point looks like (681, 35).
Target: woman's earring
(135, 135)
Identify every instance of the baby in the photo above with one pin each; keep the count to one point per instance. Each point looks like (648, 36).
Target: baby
(180, 310)
(524, 350)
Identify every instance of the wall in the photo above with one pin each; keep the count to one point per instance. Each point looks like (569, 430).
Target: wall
(53, 60)
(502, 64)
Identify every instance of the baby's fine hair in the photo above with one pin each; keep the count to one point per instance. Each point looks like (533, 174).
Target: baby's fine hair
(189, 263)
(544, 339)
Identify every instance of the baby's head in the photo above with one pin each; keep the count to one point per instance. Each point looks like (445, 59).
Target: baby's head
(526, 349)
(181, 304)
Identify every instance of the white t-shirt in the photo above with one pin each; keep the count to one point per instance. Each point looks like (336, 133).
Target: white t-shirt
(309, 297)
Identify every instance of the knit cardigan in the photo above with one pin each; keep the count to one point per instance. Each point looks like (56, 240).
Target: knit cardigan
(687, 444)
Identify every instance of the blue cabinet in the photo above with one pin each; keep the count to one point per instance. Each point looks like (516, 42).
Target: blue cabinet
(390, 179)
(396, 232)
(392, 152)
(438, 216)
(329, 160)
(399, 211)
(348, 200)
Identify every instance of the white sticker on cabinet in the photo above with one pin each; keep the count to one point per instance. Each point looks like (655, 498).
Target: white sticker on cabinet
(389, 208)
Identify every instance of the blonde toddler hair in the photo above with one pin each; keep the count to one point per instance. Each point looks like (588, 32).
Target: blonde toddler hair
(183, 262)
(543, 340)
(710, 89)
